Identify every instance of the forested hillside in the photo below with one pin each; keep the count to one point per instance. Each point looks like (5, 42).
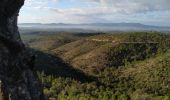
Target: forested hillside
(121, 66)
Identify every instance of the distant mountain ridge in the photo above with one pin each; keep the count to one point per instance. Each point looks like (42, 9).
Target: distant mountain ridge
(100, 26)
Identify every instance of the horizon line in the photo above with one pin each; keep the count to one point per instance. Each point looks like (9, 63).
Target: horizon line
(100, 23)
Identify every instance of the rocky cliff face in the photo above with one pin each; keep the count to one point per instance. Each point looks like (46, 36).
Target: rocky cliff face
(17, 80)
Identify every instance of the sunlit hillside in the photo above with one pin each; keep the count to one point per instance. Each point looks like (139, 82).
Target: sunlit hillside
(120, 66)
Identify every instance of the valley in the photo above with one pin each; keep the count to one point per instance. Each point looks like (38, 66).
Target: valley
(102, 66)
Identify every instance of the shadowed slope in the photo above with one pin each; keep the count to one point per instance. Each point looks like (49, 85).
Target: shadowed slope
(52, 65)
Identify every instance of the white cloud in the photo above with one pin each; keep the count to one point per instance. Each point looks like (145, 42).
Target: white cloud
(122, 6)
(98, 10)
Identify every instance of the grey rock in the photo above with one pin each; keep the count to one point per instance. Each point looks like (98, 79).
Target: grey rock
(17, 80)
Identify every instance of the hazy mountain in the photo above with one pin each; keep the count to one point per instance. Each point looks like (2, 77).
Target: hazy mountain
(96, 26)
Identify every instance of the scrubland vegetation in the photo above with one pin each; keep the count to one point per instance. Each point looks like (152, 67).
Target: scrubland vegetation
(122, 66)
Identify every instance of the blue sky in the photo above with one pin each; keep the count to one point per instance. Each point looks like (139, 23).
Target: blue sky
(151, 12)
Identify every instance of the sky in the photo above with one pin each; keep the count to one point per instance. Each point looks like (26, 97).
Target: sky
(150, 12)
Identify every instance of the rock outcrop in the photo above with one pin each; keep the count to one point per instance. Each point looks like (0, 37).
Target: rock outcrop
(17, 80)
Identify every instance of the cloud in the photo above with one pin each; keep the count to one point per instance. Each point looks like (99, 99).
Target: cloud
(35, 3)
(136, 5)
(79, 11)
(121, 6)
